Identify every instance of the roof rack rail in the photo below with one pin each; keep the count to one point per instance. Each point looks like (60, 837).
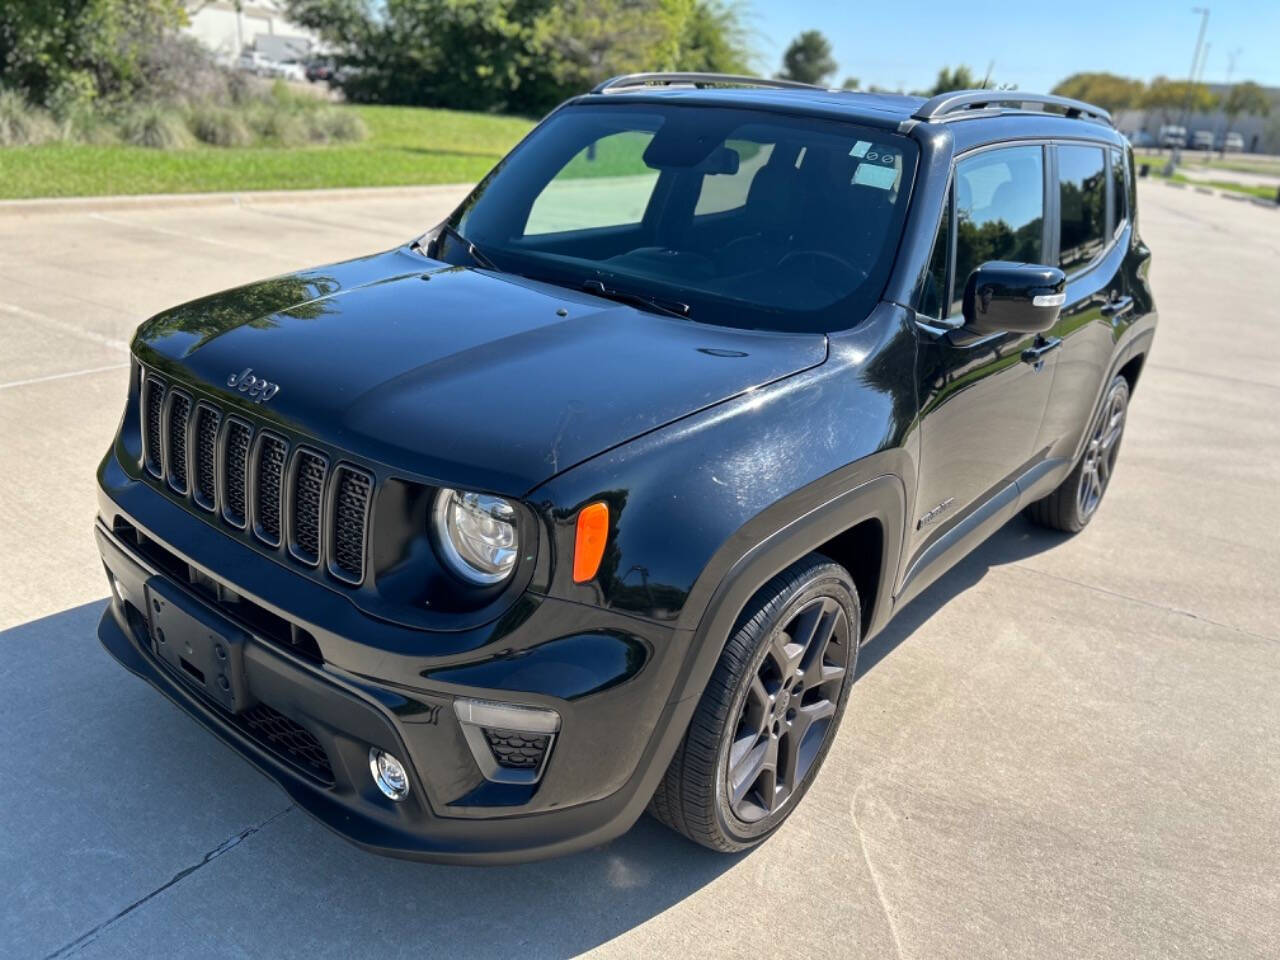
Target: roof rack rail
(949, 105)
(630, 81)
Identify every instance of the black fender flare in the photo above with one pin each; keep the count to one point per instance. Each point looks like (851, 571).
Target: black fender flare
(882, 498)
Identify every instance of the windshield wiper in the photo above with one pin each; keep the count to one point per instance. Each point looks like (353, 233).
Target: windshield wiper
(474, 252)
(672, 308)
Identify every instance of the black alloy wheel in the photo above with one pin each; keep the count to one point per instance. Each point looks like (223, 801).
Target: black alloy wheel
(769, 712)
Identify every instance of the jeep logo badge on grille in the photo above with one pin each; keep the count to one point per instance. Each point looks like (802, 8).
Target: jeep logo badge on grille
(259, 389)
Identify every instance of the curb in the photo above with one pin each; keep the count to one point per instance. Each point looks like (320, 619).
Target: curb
(161, 201)
(1214, 192)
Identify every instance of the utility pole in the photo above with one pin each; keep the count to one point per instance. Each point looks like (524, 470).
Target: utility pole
(1231, 69)
(1195, 63)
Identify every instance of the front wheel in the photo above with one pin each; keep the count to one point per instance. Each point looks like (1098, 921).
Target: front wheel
(1074, 502)
(770, 711)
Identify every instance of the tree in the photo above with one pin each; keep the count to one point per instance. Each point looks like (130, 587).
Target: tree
(959, 78)
(850, 83)
(1246, 97)
(1107, 90)
(808, 59)
(713, 38)
(1171, 97)
(64, 53)
(519, 56)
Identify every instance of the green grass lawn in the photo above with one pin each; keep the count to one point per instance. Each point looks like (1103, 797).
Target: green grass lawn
(405, 146)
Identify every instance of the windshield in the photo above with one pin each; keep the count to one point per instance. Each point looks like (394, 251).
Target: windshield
(744, 218)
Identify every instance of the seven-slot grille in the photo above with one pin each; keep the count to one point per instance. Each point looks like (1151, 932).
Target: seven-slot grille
(307, 488)
(179, 420)
(269, 477)
(256, 482)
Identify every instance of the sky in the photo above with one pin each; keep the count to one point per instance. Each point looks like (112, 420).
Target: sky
(903, 43)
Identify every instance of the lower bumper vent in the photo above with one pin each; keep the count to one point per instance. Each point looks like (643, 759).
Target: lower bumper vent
(517, 751)
(288, 739)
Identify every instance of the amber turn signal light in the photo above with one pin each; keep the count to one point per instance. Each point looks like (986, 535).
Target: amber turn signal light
(588, 545)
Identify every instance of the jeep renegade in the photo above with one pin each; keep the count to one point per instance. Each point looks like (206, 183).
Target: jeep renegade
(584, 501)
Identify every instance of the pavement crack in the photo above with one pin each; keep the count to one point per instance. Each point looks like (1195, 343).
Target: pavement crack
(1147, 603)
(233, 841)
(875, 877)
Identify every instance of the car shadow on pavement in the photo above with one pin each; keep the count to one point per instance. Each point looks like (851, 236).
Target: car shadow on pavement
(1016, 540)
(127, 825)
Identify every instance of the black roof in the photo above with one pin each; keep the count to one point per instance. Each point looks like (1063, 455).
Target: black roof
(985, 114)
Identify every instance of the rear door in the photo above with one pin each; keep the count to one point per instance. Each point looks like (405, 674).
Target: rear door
(1092, 200)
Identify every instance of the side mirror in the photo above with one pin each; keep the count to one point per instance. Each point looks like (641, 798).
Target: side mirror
(1017, 297)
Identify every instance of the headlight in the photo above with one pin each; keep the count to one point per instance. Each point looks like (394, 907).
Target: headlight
(476, 535)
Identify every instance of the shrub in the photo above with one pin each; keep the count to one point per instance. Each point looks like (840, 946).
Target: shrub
(22, 124)
(220, 127)
(279, 124)
(86, 123)
(335, 125)
(154, 126)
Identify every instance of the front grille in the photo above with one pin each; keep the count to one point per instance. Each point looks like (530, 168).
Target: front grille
(517, 751)
(288, 739)
(227, 464)
(269, 482)
(152, 413)
(204, 483)
(307, 491)
(350, 517)
(235, 473)
(179, 419)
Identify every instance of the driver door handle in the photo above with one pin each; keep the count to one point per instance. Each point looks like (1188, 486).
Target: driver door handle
(1035, 355)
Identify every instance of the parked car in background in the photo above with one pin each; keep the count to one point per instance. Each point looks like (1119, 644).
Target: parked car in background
(585, 500)
(1140, 138)
(1202, 140)
(289, 70)
(321, 69)
(1233, 143)
(1172, 136)
(250, 61)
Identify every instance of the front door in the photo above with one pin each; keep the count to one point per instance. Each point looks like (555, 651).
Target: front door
(982, 398)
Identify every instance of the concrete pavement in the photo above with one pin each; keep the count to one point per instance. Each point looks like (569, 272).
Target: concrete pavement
(1066, 747)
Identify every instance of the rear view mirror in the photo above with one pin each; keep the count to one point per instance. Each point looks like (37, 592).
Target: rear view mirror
(1015, 297)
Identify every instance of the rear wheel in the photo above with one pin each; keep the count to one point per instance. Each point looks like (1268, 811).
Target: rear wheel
(1076, 500)
(769, 713)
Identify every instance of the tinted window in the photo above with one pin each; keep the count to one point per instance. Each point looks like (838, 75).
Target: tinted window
(935, 292)
(604, 185)
(730, 191)
(1083, 204)
(1119, 194)
(807, 212)
(999, 210)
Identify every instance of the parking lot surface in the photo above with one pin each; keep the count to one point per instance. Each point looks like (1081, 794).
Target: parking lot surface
(1066, 747)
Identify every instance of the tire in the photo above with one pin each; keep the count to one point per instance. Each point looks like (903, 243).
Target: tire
(754, 709)
(1072, 505)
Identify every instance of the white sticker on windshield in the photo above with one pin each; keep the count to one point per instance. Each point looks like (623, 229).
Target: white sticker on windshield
(860, 148)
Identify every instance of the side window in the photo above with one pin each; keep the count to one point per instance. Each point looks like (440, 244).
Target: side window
(722, 192)
(1082, 189)
(934, 295)
(999, 211)
(607, 184)
(1119, 193)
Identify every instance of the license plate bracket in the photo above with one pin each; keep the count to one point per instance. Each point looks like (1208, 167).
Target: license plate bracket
(203, 647)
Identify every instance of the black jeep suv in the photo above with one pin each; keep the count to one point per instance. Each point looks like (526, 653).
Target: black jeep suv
(584, 501)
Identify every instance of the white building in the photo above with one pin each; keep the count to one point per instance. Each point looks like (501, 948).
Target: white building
(228, 27)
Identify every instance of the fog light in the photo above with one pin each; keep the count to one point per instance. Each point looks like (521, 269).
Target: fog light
(389, 774)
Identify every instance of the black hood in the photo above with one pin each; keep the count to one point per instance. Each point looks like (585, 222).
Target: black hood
(462, 376)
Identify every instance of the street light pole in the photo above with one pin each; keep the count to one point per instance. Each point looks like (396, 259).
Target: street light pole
(1195, 62)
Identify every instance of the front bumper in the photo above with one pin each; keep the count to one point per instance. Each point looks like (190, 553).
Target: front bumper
(373, 684)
